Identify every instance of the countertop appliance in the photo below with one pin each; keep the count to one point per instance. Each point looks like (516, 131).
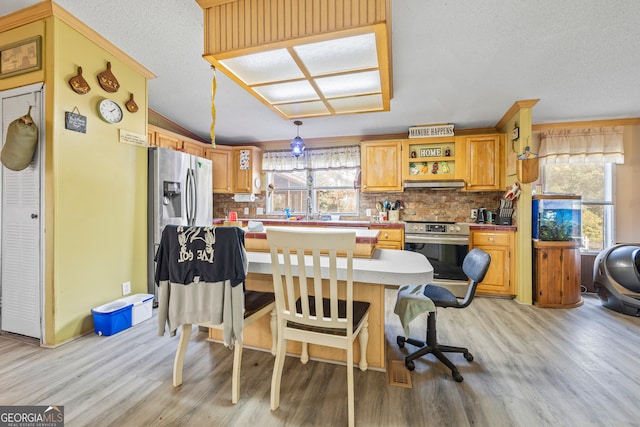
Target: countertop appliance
(180, 193)
(445, 244)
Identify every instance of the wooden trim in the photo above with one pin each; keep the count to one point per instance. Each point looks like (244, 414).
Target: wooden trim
(586, 124)
(206, 4)
(518, 105)
(25, 16)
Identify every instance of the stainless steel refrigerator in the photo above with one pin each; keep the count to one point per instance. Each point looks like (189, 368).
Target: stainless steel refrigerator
(180, 193)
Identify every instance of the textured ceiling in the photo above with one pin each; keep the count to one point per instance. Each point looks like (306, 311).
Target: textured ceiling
(463, 62)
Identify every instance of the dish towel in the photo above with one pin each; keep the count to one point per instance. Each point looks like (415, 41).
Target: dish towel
(410, 303)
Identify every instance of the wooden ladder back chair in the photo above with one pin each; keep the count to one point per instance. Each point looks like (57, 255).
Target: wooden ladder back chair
(313, 286)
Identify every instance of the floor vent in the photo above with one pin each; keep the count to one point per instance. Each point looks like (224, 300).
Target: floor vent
(399, 375)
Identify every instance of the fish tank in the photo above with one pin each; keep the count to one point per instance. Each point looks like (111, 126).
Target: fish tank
(557, 217)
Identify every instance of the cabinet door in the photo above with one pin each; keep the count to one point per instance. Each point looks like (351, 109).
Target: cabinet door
(195, 148)
(221, 161)
(500, 245)
(380, 166)
(168, 141)
(246, 165)
(484, 162)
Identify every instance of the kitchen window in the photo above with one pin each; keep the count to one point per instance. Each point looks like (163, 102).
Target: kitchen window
(582, 161)
(322, 181)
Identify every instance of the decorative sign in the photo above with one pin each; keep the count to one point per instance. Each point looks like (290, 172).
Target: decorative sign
(431, 152)
(430, 131)
(75, 121)
(132, 138)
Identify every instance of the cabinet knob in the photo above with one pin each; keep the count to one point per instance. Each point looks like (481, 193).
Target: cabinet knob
(386, 235)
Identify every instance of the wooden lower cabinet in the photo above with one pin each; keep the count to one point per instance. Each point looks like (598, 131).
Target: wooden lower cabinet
(556, 267)
(389, 238)
(500, 245)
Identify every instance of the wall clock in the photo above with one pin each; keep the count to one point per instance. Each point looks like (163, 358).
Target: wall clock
(110, 111)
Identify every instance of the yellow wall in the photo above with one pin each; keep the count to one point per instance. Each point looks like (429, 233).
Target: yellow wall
(523, 275)
(99, 187)
(627, 198)
(95, 207)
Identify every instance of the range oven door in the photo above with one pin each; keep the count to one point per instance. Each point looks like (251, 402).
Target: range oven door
(445, 253)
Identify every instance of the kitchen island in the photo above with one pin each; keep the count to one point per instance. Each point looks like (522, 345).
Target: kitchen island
(386, 267)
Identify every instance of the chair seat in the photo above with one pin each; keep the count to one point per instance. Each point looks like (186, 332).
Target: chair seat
(440, 296)
(254, 301)
(360, 309)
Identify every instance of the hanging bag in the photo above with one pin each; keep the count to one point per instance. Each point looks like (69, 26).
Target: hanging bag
(21, 143)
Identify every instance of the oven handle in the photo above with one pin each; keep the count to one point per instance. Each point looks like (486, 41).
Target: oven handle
(441, 240)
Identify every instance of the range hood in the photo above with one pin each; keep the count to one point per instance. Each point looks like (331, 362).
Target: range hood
(435, 185)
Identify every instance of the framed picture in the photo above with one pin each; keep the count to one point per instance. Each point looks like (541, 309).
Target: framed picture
(21, 57)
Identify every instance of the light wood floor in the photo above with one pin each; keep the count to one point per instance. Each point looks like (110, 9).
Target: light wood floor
(533, 367)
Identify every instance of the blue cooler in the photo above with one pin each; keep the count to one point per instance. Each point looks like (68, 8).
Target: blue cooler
(111, 318)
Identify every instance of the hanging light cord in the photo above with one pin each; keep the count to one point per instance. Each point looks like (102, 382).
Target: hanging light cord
(213, 108)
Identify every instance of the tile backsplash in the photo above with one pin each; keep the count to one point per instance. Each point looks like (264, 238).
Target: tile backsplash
(420, 205)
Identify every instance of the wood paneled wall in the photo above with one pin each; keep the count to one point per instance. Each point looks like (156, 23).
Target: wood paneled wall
(243, 24)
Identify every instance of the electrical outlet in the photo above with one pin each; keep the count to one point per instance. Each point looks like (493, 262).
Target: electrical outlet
(246, 211)
(368, 212)
(259, 211)
(126, 288)
(474, 213)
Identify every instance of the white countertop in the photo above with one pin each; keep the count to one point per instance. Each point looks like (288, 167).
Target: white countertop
(385, 267)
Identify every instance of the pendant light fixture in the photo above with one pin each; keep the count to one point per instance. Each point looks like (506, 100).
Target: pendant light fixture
(297, 144)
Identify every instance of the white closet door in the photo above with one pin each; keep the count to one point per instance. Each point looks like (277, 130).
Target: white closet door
(21, 289)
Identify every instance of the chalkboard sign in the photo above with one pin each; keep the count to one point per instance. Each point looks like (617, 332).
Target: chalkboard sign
(75, 122)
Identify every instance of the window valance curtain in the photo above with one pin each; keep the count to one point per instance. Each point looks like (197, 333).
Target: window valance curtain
(595, 145)
(320, 158)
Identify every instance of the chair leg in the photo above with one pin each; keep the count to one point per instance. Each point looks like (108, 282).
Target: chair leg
(235, 379)
(281, 352)
(178, 361)
(304, 355)
(350, 391)
(431, 346)
(363, 338)
(273, 324)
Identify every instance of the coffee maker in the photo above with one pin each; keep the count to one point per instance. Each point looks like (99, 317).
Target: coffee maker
(481, 218)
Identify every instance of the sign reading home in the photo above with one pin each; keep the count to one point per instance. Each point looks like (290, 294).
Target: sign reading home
(430, 131)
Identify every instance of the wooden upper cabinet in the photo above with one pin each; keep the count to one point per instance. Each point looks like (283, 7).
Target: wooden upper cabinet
(484, 165)
(159, 137)
(246, 165)
(195, 148)
(380, 165)
(168, 141)
(222, 173)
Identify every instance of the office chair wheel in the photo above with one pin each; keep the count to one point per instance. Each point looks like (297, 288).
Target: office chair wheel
(457, 377)
(468, 356)
(400, 341)
(409, 364)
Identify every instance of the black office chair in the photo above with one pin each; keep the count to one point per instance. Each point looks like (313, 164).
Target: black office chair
(475, 266)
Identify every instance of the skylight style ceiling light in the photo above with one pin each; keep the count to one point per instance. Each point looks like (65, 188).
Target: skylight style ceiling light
(302, 60)
(297, 144)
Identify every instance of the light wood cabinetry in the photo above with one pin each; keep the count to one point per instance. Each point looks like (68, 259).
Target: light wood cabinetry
(380, 166)
(484, 162)
(432, 159)
(222, 174)
(556, 274)
(246, 166)
(389, 238)
(500, 245)
(159, 137)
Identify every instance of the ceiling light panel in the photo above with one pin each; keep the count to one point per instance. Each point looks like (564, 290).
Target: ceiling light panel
(303, 109)
(264, 67)
(349, 84)
(287, 92)
(357, 104)
(343, 54)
